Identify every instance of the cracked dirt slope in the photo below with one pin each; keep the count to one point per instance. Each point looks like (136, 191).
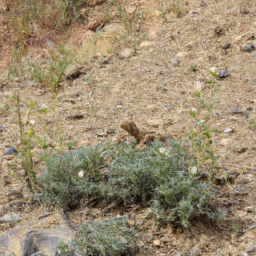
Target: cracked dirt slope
(147, 88)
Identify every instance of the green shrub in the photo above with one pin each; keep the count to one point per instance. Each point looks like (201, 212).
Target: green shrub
(181, 198)
(106, 238)
(62, 183)
(135, 174)
(157, 176)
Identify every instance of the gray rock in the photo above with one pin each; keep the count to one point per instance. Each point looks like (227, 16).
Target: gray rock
(110, 131)
(126, 53)
(249, 48)
(10, 217)
(4, 243)
(175, 61)
(37, 254)
(237, 111)
(242, 190)
(223, 73)
(3, 128)
(4, 239)
(11, 150)
(27, 239)
(43, 241)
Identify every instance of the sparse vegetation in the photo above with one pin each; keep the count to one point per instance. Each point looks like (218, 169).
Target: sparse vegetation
(133, 22)
(194, 68)
(57, 62)
(167, 6)
(26, 140)
(32, 19)
(202, 137)
(111, 237)
(31, 26)
(30, 119)
(253, 123)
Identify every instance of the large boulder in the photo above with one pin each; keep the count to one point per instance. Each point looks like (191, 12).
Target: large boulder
(39, 236)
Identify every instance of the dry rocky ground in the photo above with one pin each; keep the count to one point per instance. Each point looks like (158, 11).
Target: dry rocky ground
(144, 86)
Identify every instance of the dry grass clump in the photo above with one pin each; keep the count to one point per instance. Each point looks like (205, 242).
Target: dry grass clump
(40, 23)
(31, 21)
(171, 6)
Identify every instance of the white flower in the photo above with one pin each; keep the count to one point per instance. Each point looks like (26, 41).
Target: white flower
(193, 110)
(213, 70)
(81, 174)
(193, 170)
(165, 151)
(32, 122)
(44, 106)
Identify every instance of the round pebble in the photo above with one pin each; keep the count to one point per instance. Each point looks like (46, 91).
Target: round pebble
(223, 73)
(11, 150)
(249, 48)
(175, 61)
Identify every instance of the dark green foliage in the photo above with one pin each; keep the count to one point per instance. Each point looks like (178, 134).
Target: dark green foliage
(158, 176)
(102, 238)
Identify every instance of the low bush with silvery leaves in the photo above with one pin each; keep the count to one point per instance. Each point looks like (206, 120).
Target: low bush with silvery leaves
(160, 176)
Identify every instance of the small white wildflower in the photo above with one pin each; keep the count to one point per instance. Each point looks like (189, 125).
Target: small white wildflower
(213, 70)
(162, 150)
(81, 174)
(193, 170)
(32, 122)
(165, 151)
(228, 130)
(193, 110)
(44, 106)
